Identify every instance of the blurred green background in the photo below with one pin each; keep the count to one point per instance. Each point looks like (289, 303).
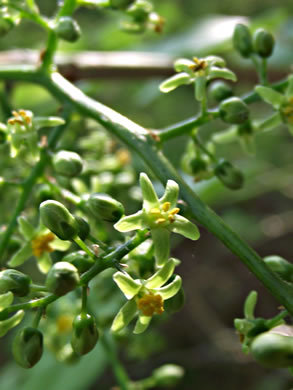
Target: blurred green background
(200, 337)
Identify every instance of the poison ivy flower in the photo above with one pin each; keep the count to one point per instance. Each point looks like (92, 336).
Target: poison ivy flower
(40, 242)
(160, 216)
(22, 130)
(145, 297)
(197, 71)
(282, 103)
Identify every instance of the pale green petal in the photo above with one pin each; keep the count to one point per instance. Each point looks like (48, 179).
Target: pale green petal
(142, 324)
(289, 89)
(149, 195)
(44, 262)
(270, 96)
(221, 73)
(215, 60)
(184, 227)
(171, 289)
(226, 136)
(162, 275)
(175, 81)
(127, 285)
(171, 193)
(184, 65)
(249, 305)
(60, 245)
(6, 300)
(23, 254)
(11, 322)
(124, 316)
(47, 121)
(270, 123)
(26, 228)
(130, 222)
(161, 240)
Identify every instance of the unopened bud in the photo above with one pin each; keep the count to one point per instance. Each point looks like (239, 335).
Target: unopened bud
(62, 278)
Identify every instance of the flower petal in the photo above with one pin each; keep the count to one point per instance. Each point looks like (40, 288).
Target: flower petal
(6, 300)
(142, 324)
(270, 96)
(171, 289)
(11, 322)
(26, 228)
(161, 240)
(60, 245)
(23, 254)
(222, 73)
(184, 227)
(162, 275)
(171, 193)
(149, 195)
(289, 89)
(44, 262)
(124, 316)
(174, 81)
(130, 222)
(127, 285)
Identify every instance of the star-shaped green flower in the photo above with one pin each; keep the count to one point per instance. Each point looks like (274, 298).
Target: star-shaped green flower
(282, 103)
(160, 216)
(145, 297)
(39, 243)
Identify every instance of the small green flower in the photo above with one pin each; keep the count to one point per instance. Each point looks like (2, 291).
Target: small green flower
(160, 216)
(145, 297)
(39, 242)
(282, 103)
(197, 71)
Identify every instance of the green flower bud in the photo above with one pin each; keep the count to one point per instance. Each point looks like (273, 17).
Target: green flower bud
(273, 350)
(175, 303)
(83, 228)
(105, 207)
(6, 24)
(67, 29)
(80, 260)
(234, 110)
(263, 42)
(58, 219)
(242, 40)
(197, 165)
(44, 192)
(85, 334)
(14, 281)
(67, 163)
(27, 347)
(62, 278)
(281, 266)
(220, 90)
(167, 375)
(230, 176)
(121, 4)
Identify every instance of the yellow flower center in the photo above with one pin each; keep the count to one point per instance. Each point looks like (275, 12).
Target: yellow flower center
(64, 323)
(41, 244)
(21, 117)
(287, 111)
(164, 214)
(150, 304)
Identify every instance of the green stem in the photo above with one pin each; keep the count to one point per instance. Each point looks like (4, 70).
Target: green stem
(101, 244)
(83, 246)
(138, 139)
(84, 300)
(109, 260)
(119, 371)
(263, 76)
(38, 317)
(67, 8)
(202, 147)
(48, 57)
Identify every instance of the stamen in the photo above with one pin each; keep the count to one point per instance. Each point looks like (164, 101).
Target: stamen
(174, 211)
(155, 211)
(166, 206)
(160, 220)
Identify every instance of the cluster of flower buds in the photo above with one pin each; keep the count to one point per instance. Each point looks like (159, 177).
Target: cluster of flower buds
(261, 43)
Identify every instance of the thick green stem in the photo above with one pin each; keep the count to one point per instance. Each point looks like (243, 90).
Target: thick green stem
(139, 140)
